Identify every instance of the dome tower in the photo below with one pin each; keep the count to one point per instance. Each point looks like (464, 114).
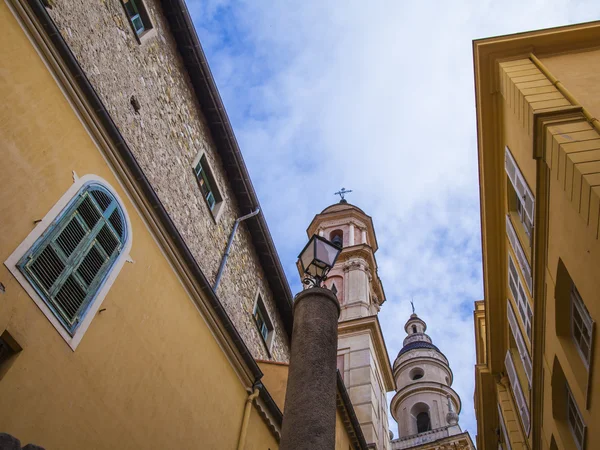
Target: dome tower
(425, 405)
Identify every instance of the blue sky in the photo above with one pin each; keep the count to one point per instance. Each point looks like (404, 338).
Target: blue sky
(377, 97)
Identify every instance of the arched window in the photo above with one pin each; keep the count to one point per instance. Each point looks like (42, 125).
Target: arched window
(71, 260)
(423, 422)
(414, 328)
(337, 237)
(416, 373)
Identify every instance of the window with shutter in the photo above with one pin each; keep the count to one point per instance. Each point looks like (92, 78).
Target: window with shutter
(517, 392)
(520, 199)
(505, 439)
(519, 296)
(69, 262)
(521, 347)
(520, 254)
(576, 424)
(581, 326)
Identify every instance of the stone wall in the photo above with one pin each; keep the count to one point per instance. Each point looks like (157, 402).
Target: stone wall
(165, 136)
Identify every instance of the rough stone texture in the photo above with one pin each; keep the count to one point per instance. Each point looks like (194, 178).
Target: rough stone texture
(310, 399)
(165, 137)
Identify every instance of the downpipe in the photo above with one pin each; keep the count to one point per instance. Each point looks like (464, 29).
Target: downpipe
(228, 249)
(247, 410)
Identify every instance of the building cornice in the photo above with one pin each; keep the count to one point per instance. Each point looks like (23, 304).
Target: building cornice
(424, 387)
(371, 324)
(365, 252)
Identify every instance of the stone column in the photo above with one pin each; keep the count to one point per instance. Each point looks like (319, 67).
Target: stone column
(310, 399)
(350, 235)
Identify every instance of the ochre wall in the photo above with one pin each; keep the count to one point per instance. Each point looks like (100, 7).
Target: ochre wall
(148, 372)
(573, 221)
(275, 380)
(580, 74)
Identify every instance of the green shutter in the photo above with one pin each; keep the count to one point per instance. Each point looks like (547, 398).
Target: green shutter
(68, 264)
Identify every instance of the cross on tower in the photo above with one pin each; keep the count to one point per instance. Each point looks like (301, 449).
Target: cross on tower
(341, 193)
(412, 304)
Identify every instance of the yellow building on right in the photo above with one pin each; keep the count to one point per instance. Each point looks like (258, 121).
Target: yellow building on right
(538, 103)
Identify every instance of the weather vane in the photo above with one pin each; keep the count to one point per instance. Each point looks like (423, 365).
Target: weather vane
(412, 304)
(342, 192)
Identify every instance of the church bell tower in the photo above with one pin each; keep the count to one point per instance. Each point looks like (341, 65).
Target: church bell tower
(425, 405)
(362, 356)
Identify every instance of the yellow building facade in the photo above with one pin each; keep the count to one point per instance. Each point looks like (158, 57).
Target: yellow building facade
(538, 100)
(112, 331)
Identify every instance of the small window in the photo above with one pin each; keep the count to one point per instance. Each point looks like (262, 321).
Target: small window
(138, 16)
(207, 185)
(575, 420)
(261, 318)
(416, 374)
(334, 289)
(581, 326)
(70, 261)
(414, 328)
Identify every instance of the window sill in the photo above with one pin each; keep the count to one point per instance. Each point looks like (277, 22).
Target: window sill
(146, 36)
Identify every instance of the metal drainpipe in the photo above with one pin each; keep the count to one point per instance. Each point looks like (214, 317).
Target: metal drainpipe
(247, 410)
(231, 236)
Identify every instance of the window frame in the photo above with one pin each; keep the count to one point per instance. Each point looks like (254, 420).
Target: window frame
(572, 406)
(144, 17)
(521, 300)
(40, 233)
(214, 189)
(260, 310)
(520, 199)
(577, 305)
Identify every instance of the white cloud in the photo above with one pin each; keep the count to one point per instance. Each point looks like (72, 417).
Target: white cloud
(376, 97)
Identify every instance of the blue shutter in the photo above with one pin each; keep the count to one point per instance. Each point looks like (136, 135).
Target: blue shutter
(68, 264)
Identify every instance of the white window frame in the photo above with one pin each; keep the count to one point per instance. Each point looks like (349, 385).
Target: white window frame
(577, 306)
(517, 291)
(12, 262)
(525, 198)
(517, 392)
(521, 347)
(217, 209)
(520, 254)
(260, 306)
(503, 427)
(576, 415)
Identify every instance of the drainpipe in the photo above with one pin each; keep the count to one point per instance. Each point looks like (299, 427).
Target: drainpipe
(231, 236)
(247, 410)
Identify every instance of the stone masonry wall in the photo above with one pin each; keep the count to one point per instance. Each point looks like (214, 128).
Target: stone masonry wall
(165, 137)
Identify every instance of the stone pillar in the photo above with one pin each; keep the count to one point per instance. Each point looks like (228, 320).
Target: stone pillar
(364, 235)
(350, 235)
(310, 399)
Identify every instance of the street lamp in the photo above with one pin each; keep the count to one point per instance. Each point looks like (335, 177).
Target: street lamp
(317, 258)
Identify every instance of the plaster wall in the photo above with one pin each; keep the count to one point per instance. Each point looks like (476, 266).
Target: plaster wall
(579, 72)
(148, 373)
(166, 137)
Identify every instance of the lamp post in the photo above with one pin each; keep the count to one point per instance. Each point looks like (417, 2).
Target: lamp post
(310, 400)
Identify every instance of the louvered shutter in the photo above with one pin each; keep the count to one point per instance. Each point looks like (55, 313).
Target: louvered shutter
(521, 347)
(518, 293)
(518, 181)
(503, 426)
(517, 391)
(521, 258)
(69, 263)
